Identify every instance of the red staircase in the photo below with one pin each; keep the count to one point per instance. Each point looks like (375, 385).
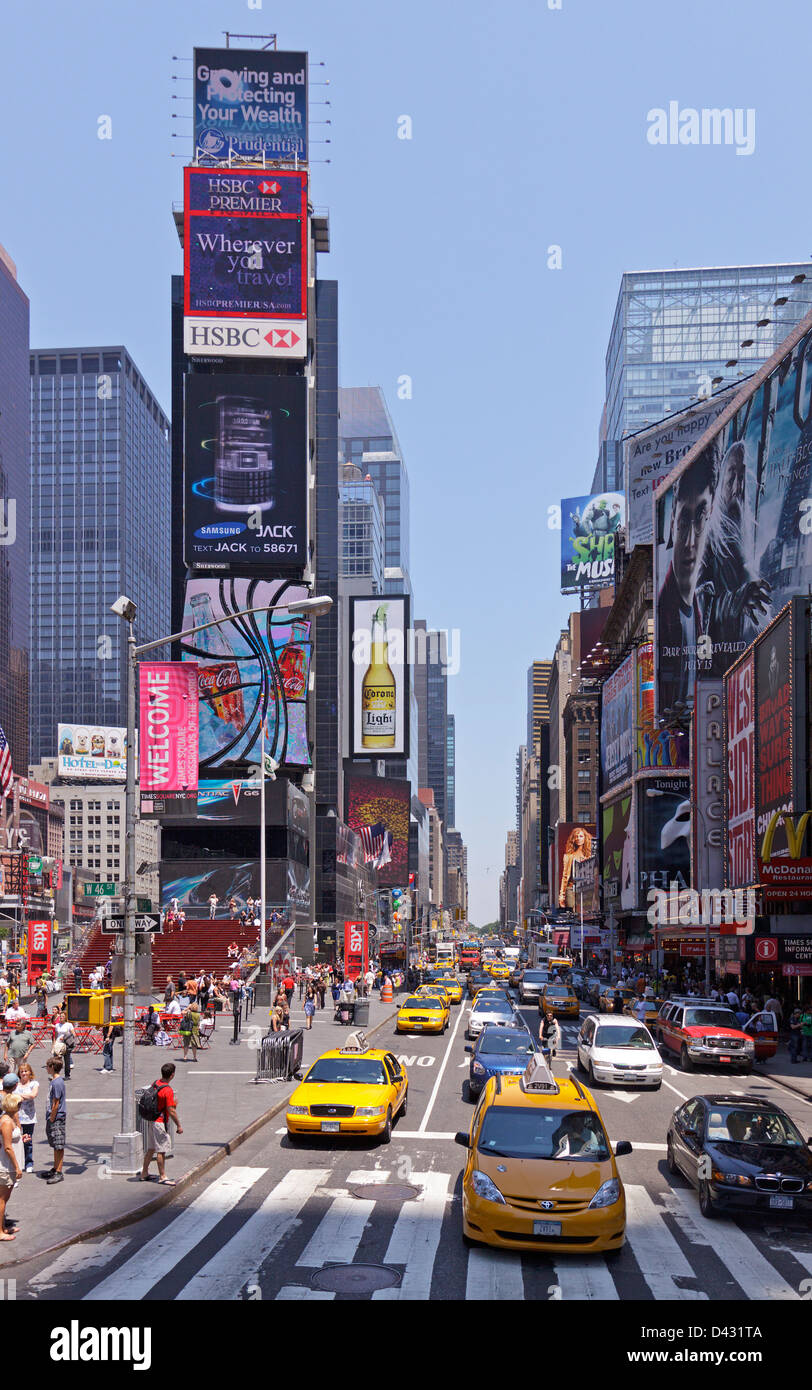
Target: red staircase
(201, 944)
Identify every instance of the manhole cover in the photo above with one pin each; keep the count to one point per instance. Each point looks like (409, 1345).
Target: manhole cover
(355, 1278)
(386, 1191)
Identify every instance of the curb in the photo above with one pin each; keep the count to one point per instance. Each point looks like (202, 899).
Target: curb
(145, 1209)
(787, 1085)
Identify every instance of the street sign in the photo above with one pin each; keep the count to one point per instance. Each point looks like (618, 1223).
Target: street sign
(100, 890)
(34, 864)
(145, 923)
(143, 904)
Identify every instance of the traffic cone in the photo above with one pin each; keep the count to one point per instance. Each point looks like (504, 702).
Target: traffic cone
(386, 992)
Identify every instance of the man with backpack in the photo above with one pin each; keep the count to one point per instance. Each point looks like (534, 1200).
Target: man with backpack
(158, 1105)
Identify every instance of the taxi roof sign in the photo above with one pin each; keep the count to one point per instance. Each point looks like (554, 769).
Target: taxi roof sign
(538, 1078)
(356, 1042)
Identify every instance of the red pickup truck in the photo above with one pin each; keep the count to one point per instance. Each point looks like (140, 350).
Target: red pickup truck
(700, 1031)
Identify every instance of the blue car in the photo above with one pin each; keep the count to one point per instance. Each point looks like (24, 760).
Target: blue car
(498, 1051)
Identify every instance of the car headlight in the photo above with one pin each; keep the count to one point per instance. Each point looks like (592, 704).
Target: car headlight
(366, 1111)
(298, 1110)
(732, 1179)
(478, 1068)
(484, 1187)
(607, 1194)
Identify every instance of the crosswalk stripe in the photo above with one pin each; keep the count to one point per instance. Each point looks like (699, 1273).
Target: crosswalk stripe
(416, 1236)
(582, 1279)
(240, 1260)
(494, 1275)
(740, 1255)
(654, 1247)
(291, 1291)
(152, 1261)
(76, 1260)
(338, 1235)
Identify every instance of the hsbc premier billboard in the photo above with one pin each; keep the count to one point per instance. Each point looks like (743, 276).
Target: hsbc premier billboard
(245, 262)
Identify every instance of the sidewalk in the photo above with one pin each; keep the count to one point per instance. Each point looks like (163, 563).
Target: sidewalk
(797, 1077)
(219, 1106)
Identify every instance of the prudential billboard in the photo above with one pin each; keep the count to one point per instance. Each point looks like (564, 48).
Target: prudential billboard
(250, 103)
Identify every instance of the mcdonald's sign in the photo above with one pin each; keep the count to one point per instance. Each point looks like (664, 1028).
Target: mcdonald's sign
(783, 868)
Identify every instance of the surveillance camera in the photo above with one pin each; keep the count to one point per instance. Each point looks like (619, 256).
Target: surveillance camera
(124, 608)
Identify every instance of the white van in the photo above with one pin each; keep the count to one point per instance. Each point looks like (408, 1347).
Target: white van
(617, 1049)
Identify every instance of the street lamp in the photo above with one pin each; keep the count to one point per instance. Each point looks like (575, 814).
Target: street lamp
(126, 1144)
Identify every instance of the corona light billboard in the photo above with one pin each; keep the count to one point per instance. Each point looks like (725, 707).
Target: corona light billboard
(379, 675)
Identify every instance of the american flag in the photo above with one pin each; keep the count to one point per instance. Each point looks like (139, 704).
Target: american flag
(377, 843)
(6, 774)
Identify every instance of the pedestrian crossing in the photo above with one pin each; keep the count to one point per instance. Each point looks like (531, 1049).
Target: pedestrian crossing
(248, 1235)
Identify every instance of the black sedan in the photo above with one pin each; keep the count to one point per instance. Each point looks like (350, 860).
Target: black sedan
(477, 980)
(740, 1154)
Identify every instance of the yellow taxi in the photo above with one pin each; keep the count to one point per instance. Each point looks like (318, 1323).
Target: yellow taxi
(423, 1013)
(562, 999)
(354, 1089)
(540, 1172)
(499, 969)
(452, 987)
(438, 990)
(652, 1009)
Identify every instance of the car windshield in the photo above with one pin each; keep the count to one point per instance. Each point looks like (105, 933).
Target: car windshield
(534, 977)
(623, 1037)
(535, 1133)
(711, 1018)
(497, 1043)
(423, 1001)
(491, 1005)
(361, 1071)
(749, 1125)
(557, 992)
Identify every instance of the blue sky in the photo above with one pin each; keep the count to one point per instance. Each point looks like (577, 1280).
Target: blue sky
(529, 128)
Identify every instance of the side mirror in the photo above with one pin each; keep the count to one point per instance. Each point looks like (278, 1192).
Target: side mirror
(462, 1138)
(622, 1148)
(468, 1047)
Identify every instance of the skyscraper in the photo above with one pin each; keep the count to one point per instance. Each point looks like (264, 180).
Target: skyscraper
(450, 763)
(676, 333)
(15, 505)
(437, 726)
(361, 521)
(538, 705)
(368, 439)
(100, 497)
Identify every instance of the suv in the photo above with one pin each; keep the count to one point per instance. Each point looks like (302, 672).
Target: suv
(700, 1030)
(530, 985)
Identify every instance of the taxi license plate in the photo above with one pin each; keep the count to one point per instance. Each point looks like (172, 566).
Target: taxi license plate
(546, 1228)
(417, 1027)
(330, 1126)
(782, 1203)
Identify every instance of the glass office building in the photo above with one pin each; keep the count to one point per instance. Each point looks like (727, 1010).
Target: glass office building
(450, 776)
(361, 517)
(100, 502)
(14, 515)
(677, 332)
(368, 439)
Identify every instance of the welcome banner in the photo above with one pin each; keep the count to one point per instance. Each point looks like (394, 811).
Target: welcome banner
(168, 692)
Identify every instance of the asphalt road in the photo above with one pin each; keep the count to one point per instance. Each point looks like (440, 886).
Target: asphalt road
(343, 1220)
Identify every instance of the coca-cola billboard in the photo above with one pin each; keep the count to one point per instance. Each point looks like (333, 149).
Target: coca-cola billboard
(250, 668)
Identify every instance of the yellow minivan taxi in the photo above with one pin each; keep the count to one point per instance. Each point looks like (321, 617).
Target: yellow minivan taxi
(354, 1089)
(423, 1013)
(540, 1172)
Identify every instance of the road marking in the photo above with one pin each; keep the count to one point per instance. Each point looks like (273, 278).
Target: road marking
(338, 1235)
(621, 1095)
(240, 1260)
(423, 1126)
(416, 1237)
(291, 1291)
(252, 1072)
(653, 1148)
(741, 1256)
(94, 1100)
(422, 1134)
(494, 1275)
(654, 1247)
(142, 1271)
(76, 1260)
(674, 1089)
(581, 1279)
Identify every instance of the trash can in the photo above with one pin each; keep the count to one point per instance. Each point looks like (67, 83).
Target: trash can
(361, 1013)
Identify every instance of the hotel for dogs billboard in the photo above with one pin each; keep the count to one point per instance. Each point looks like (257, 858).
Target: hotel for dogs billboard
(617, 724)
(245, 462)
(588, 527)
(733, 526)
(250, 103)
(245, 262)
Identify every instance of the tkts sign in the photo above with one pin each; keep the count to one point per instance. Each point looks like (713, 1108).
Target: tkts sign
(356, 949)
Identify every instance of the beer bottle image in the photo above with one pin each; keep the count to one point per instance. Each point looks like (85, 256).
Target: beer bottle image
(378, 696)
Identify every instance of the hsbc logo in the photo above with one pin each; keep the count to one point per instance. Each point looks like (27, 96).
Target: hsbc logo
(212, 337)
(282, 337)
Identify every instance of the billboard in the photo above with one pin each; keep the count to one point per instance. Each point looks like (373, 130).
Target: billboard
(707, 830)
(732, 536)
(617, 724)
(740, 792)
(651, 454)
(192, 881)
(91, 752)
(245, 471)
(774, 702)
(663, 834)
(356, 949)
(378, 810)
(250, 669)
(168, 702)
(656, 747)
(574, 843)
(618, 872)
(250, 103)
(379, 676)
(781, 735)
(588, 526)
(40, 935)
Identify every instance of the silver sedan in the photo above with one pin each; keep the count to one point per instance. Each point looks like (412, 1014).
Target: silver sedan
(492, 1011)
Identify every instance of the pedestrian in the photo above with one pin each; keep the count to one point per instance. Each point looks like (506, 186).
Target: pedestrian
(806, 1034)
(794, 1041)
(369, 979)
(277, 1019)
(28, 1090)
(169, 991)
(321, 987)
(281, 1002)
(56, 1123)
(288, 985)
(232, 909)
(111, 1032)
(310, 1006)
(19, 1045)
(213, 901)
(773, 1005)
(733, 999)
(159, 1143)
(190, 1030)
(65, 1033)
(182, 982)
(550, 1033)
(11, 1156)
(78, 975)
(151, 1025)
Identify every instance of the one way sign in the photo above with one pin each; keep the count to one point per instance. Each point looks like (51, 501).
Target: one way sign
(145, 922)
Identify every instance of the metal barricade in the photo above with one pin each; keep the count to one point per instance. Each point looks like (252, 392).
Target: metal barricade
(279, 1055)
